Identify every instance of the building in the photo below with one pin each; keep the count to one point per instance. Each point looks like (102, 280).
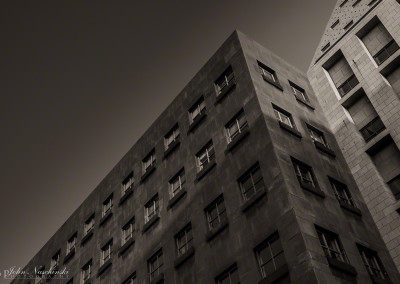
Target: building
(356, 76)
(239, 180)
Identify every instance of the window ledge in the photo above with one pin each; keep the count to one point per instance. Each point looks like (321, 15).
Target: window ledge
(250, 202)
(289, 129)
(176, 198)
(150, 223)
(377, 280)
(300, 100)
(225, 91)
(126, 245)
(148, 172)
(105, 218)
(69, 256)
(171, 148)
(273, 83)
(276, 275)
(205, 170)
(197, 121)
(125, 196)
(181, 259)
(324, 149)
(312, 189)
(350, 208)
(343, 266)
(213, 233)
(104, 267)
(158, 279)
(237, 140)
(87, 237)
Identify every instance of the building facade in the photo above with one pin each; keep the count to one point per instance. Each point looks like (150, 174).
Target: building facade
(356, 76)
(240, 180)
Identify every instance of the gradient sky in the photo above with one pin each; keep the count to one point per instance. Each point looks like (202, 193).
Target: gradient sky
(80, 82)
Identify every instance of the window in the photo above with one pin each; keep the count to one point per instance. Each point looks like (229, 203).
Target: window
(88, 226)
(372, 129)
(394, 185)
(171, 136)
(230, 276)
(343, 3)
(299, 92)
(148, 161)
(284, 117)
(268, 73)
(356, 3)
(127, 183)
(226, 80)
(39, 275)
(251, 182)
(55, 261)
(205, 156)
(216, 213)
(155, 264)
(304, 173)
(107, 206)
(372, 262)
(236, 126)
(127, 231)
(86, 272)
(348, 25)
(331, 245)
(184, 240)
(71, 244)
(335, 24)
(105, 253)
(325, 47)
(270, 255)
(197, 110)
(347, 85)
(342, 192)
(317, 136)
(151, 208)
(176, 184)
(131, 279)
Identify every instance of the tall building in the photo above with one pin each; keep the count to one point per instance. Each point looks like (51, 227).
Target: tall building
(356, 76)
(239, 180)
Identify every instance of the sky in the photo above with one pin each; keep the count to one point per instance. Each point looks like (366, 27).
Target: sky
(80, 82)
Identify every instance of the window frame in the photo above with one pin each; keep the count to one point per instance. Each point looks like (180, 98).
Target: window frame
(225, 80)
(186, 234)
(107, 206)
(88, 226)
(86, 272)
(105, 252)
(266, 245)
(220, 279)
(268, 72)
(334, 249)
(250, 174)
(309, 178)
(127, 183)
(235, 121)
(372, 259)
(198, 108)
(71, 244)
(207, 152)
(155, 204)
(347, 197)
(174, 133)
(148, 161)
(317, 135)
(127, 231)
(55, 260)
(280, 112)
(179, 178)
(221, 214)
(299, 92)
(152, 269)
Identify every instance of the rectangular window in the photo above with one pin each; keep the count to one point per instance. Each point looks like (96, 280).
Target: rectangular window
(105, 254)
(155, 265)
(86, 272)
(197, 110)
(372, 129)
(335, 24)
(225, 80)
(331, 245)
(131, 279)
(299, 92)
(177, 183)
(71, 244)
(348, 25)
(270, 255)
(55, 260)
(127, 231)
(268, 73)
(356, 3)
(251, 182)
(216, 213)
(347, 85)
(205, 156)
(184, 240)
(284, 117)
(343, 3)
(39, 275)
(394, 185)
(149, 161)
(342, 192)
(317, 136)
(171, 136)
(107, 206)
(127, 183)
(230, 276)
(152, 208)
(236, 126)
(88, 225)
(372, 262)
(304, 173)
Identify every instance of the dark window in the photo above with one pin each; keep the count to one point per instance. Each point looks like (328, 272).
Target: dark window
(107, 206)
(356, 3)
(317, 135)
(268, 73)
(86, 272)
(197, 110)
(131, 279)
(343, 3)
(284, 117)
(335, 24)
(55, 261)
(325, 47)
(230, 276)
(394, 185)
(225, 80)
(331, 245)
(386, 52)
(127, 231)
(151, 208)
(304, 173)
(216, 213)
(348, 85)
(342, 192)
(235, 126)
(184, 240)
(88, 225)
(205, 156)
(171, 136)
(149, 161)
(105, 253)
(270, 255)
(127, 183)
(299, 92)
(372, 129)
(177, 183)
(155, 265)
(372, 262)
(71, 244)
(251, 182)
(348, 25)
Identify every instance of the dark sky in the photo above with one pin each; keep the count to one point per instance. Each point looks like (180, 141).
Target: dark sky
(80, 81)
